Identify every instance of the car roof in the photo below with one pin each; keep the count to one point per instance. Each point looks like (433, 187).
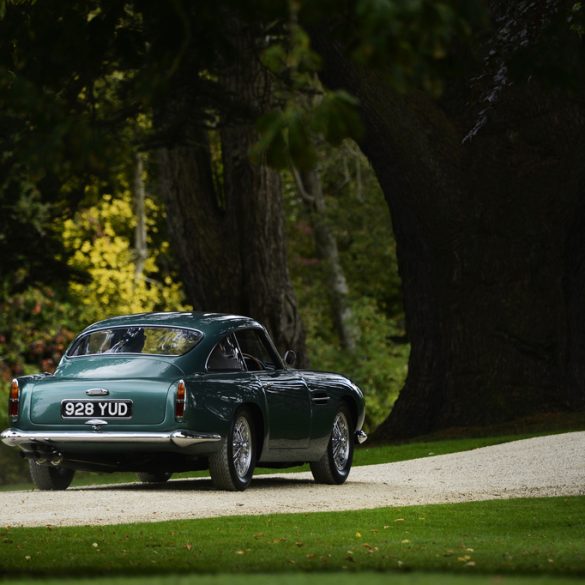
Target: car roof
(210, 324)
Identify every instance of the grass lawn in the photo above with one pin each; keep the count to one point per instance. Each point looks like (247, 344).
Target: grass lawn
(510, 542)
(521, 537)
(331, 578)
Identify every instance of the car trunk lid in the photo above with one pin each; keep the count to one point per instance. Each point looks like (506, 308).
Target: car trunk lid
(144, 381)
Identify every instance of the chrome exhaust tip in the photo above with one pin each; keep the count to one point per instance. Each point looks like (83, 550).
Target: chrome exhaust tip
(56, 460)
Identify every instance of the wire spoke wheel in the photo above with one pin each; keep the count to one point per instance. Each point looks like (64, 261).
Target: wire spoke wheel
(232, 466)
(340, 441)
(335, 464)
(242, 447)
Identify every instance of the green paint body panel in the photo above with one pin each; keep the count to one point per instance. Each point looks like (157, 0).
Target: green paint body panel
(294, 409)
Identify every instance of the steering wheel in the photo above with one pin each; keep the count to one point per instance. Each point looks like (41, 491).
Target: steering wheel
(255, 361)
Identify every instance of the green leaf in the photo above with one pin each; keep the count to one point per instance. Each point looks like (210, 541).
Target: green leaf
(274, 58)
(271, 146)
(300, 146)
(337, 117)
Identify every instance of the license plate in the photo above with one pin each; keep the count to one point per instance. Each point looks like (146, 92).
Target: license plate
(96, 408)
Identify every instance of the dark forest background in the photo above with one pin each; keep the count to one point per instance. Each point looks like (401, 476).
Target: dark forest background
(395, 188)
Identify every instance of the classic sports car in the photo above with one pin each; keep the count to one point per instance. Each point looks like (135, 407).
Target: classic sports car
(158, 393)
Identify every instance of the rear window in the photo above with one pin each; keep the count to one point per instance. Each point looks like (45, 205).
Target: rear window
(140, 340)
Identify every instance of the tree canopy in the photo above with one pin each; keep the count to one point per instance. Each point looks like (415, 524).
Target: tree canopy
(470, 114)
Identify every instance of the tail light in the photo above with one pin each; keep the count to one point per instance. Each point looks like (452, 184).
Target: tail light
(180, 400)
(14, 400)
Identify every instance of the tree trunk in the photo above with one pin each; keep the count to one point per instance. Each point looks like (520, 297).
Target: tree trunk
(310, 190)
(228, 234)
(138, 192)
(490, 246)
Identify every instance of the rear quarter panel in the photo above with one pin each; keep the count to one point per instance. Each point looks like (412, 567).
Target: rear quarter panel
(213, 399)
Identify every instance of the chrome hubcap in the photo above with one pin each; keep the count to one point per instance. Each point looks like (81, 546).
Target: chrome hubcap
(242, 447)
(340, 441)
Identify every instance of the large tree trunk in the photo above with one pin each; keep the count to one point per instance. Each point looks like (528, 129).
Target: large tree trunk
(228, 232)
(490, 246)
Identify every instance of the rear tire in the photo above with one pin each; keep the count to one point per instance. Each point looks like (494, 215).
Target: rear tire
(232, 467)
(154, 477)
(50, 478)
(335, 465)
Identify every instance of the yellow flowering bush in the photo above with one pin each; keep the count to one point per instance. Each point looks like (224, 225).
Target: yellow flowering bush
(101, 241)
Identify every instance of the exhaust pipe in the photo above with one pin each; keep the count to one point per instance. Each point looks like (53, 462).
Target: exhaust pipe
(56, 459)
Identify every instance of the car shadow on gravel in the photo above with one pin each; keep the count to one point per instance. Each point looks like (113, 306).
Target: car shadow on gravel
(199, 484)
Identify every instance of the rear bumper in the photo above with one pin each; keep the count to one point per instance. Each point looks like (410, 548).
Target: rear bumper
(17, 438)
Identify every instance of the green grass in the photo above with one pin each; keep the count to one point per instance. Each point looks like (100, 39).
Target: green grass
(363, 456)
(525, 537)
(336, 578)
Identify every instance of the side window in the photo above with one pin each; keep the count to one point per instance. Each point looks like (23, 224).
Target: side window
(225, 356)
(256, 351)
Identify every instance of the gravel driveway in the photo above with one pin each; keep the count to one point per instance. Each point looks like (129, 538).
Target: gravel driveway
(543, 466)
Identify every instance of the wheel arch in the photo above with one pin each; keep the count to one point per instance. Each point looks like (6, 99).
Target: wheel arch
(351, 404)
(259, 426)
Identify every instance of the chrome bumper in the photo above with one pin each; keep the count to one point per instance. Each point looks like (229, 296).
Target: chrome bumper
(15, 437)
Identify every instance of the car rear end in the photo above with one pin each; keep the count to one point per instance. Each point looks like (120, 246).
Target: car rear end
(110, 410)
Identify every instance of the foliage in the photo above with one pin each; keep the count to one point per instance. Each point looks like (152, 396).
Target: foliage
(414, 45)
(378, 366)
(508, 537)
(359, 219)
(72, 113)
(286, 134)
(50, 138)
(36, 326)
(31, 250)
(99, 239)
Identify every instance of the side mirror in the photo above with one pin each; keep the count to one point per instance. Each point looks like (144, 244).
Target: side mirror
(290, 358)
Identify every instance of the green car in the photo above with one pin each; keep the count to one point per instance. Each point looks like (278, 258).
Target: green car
(158, 393)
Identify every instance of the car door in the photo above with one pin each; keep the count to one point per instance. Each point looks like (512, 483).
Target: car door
(287, 395)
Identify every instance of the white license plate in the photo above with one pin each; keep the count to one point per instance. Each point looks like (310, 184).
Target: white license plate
(96, 408)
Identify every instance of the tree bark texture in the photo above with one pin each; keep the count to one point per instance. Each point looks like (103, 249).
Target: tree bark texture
(139, 196)
(228, 234)
(490, 232)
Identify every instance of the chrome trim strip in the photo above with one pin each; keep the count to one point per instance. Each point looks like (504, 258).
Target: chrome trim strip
(96, 422)
(16, 437)
(97, 392)
(320, 399)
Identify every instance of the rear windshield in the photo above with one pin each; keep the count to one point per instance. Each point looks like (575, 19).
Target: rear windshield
(144, 340)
